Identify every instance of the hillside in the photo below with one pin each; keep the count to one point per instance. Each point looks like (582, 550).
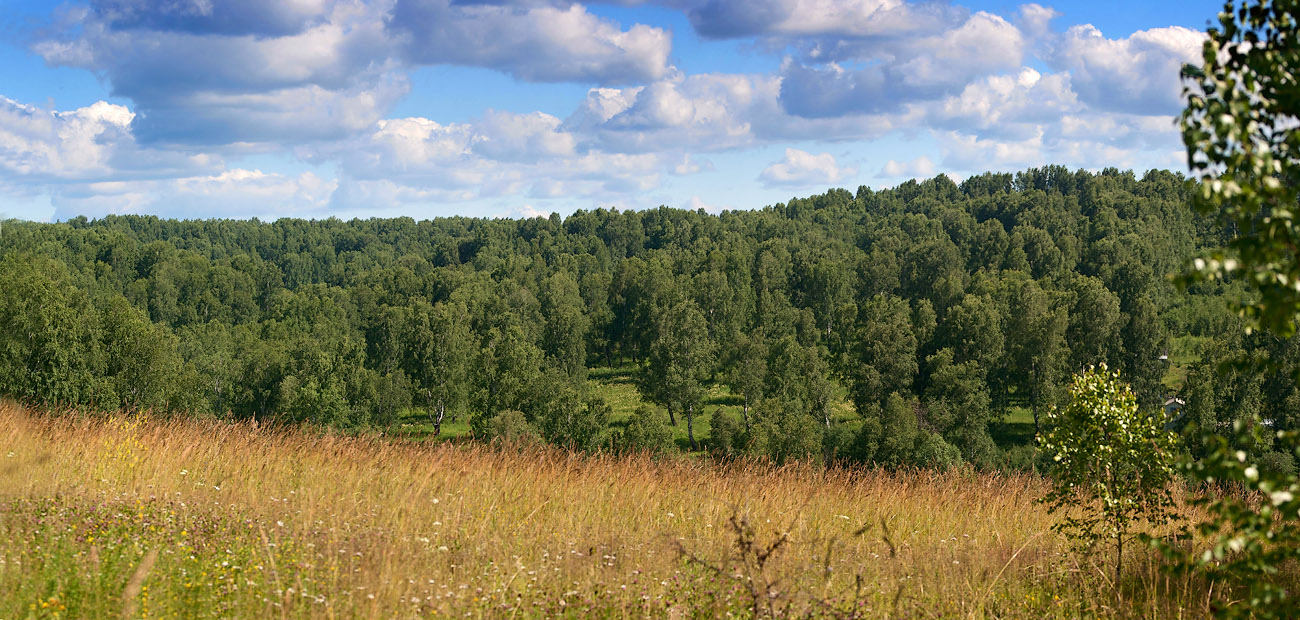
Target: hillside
(108, 516)
(902, 326)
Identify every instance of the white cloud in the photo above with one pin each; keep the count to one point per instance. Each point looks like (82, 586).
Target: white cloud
(274, 74)
(802, 169)
(921, 167)
(696, 203)
(505, 136)
(687, 165)
(198, 75)
(917, 69)
(1009, 105)
(708, 112)
(1137, 74)
(539, 43)
(318, 79)
(969, 152)
(418, 160)
(90, 143)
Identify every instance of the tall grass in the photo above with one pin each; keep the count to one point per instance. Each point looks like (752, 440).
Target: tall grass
(136, 517)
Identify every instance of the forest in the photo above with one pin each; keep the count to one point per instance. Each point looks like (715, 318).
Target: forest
(934, 308)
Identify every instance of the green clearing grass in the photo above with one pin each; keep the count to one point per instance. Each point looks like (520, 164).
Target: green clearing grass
(1184, 351)
(1016, 428)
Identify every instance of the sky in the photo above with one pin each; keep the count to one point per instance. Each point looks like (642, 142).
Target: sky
(520, 108)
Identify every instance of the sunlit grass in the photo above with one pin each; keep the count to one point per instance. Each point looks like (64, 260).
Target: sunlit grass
(243, 521)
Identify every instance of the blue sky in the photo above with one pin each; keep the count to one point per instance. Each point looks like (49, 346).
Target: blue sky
(360, 108)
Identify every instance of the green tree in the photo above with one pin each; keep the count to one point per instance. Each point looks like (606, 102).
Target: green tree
(957, 404)
(882, 360)
(438, 347)
(49, 347)
(510, 426)
(564, 338)
(1238, 126)
(1242, 103)
(680, 359)
(1112, 462)
(898, 431)
(746, 370)
(143, 361)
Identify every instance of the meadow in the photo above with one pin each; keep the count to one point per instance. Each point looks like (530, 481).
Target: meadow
(130, 516)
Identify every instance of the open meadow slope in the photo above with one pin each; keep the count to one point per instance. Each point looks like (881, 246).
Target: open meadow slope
(118, 516)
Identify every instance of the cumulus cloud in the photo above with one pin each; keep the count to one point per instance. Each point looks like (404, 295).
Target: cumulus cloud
(90, 143)
(267, 75)
(415, 160)
(1012, 105)
(969, 152)
(539, 42)
(710, 112)
(197, 77)
(802, 169)
(842, 18)
(87, 161)
(925, 67)
(318, 79)
(921, 167)
(1137, 74)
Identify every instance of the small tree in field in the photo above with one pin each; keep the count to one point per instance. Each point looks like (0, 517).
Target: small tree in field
(1113, 463)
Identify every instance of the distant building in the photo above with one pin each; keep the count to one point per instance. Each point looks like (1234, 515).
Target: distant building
(1173, 413)
(1173, 404)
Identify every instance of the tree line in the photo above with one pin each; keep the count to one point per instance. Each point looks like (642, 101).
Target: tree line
(935, 306)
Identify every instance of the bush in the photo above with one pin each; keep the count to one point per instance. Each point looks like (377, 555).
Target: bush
(727, 434)
(510, 426)
(785, 433)
(1279, 463)
(933, 451)
(647, 432)
(848, 443)
(1020, 458)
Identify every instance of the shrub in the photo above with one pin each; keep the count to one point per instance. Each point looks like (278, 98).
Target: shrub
(933, 451)
(647, 432)
(510, 426)
(727, 434)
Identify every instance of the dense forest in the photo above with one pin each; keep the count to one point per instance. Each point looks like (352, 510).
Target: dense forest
(935, 306)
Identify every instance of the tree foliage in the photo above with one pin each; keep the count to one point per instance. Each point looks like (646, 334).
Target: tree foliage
(1112, 462)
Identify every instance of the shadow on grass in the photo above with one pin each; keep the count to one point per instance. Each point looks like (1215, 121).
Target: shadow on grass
(622, 373)
(725, 399)
(1009, 434)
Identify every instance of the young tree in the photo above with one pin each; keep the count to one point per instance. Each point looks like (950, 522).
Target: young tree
(680, 359)
(746, 370)
(438, 349)
(1113, 463)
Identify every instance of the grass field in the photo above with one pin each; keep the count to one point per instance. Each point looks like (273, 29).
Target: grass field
(133, 517)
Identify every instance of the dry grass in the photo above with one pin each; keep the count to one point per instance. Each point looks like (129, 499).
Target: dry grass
(237, 521)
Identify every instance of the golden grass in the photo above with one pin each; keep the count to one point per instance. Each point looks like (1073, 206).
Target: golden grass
(239, 521)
